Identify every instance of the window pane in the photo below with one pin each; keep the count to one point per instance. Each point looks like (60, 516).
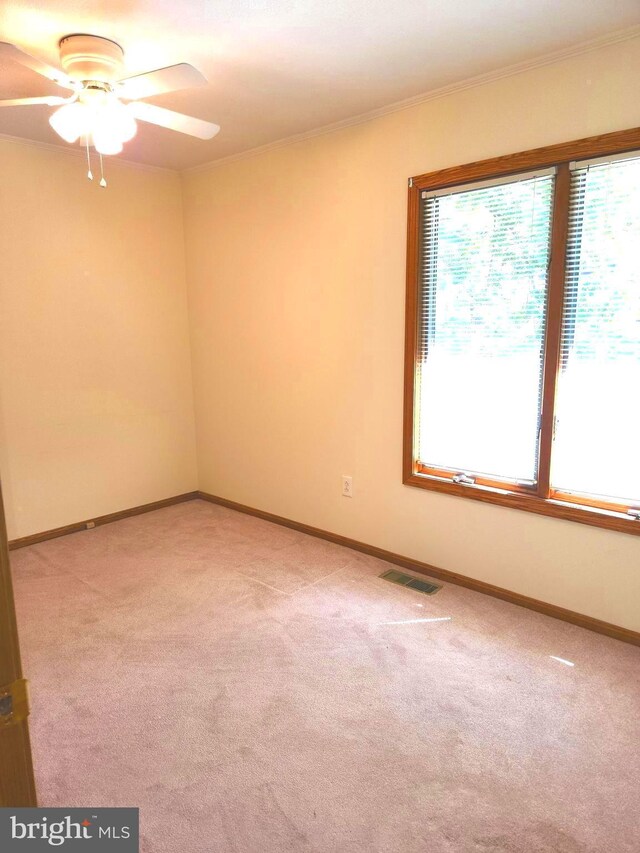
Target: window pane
(596, 448)
(484, 263)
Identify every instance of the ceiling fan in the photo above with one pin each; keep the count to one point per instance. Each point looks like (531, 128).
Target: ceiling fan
(94, 113)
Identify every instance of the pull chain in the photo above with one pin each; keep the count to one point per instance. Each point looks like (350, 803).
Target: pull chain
(89, 173)
(103, 183)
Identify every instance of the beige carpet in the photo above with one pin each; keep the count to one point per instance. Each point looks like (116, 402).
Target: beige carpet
(256, 690)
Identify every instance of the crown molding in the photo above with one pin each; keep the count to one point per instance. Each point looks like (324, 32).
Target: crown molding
(80, 152)
(431, 95)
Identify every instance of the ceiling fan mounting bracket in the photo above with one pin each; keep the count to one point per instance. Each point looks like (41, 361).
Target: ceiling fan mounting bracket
(86, 57)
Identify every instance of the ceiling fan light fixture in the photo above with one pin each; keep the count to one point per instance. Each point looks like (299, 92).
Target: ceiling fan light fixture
(119, 119)
(105, 141)
(112, 126)
(71, 121)
(106, 121)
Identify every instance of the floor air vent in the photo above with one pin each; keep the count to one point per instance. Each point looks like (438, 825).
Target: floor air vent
(408, 580)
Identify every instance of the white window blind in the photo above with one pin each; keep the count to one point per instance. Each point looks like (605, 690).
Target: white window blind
(483, 280)
(596, 450)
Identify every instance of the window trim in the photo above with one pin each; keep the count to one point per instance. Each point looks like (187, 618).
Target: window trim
(585, 510)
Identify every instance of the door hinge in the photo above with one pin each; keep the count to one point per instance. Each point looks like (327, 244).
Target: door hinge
(14, 703)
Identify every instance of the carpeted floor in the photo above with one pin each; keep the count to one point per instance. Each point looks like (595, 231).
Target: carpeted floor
(255, 690)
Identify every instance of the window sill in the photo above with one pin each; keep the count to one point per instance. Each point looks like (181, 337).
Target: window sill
(528, 503)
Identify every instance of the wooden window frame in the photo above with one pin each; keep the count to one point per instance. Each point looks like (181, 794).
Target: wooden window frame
(541, 498)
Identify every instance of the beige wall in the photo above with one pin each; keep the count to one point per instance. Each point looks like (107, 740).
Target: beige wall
(96, 410)
(296, 287)
(295, 265)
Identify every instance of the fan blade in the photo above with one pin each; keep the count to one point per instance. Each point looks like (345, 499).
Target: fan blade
(168, 79)
(50, 101)
(173, 121)
(10, 51)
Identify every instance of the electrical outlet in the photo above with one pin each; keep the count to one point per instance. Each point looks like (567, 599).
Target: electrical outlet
(347, 486)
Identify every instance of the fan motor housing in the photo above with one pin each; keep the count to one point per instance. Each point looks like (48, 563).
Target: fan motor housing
(85, 57)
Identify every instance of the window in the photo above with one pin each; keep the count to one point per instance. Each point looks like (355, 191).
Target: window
(523, 331)
(485, 252)
(598, 398)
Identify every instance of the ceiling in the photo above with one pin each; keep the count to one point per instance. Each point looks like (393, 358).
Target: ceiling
(277, 68)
